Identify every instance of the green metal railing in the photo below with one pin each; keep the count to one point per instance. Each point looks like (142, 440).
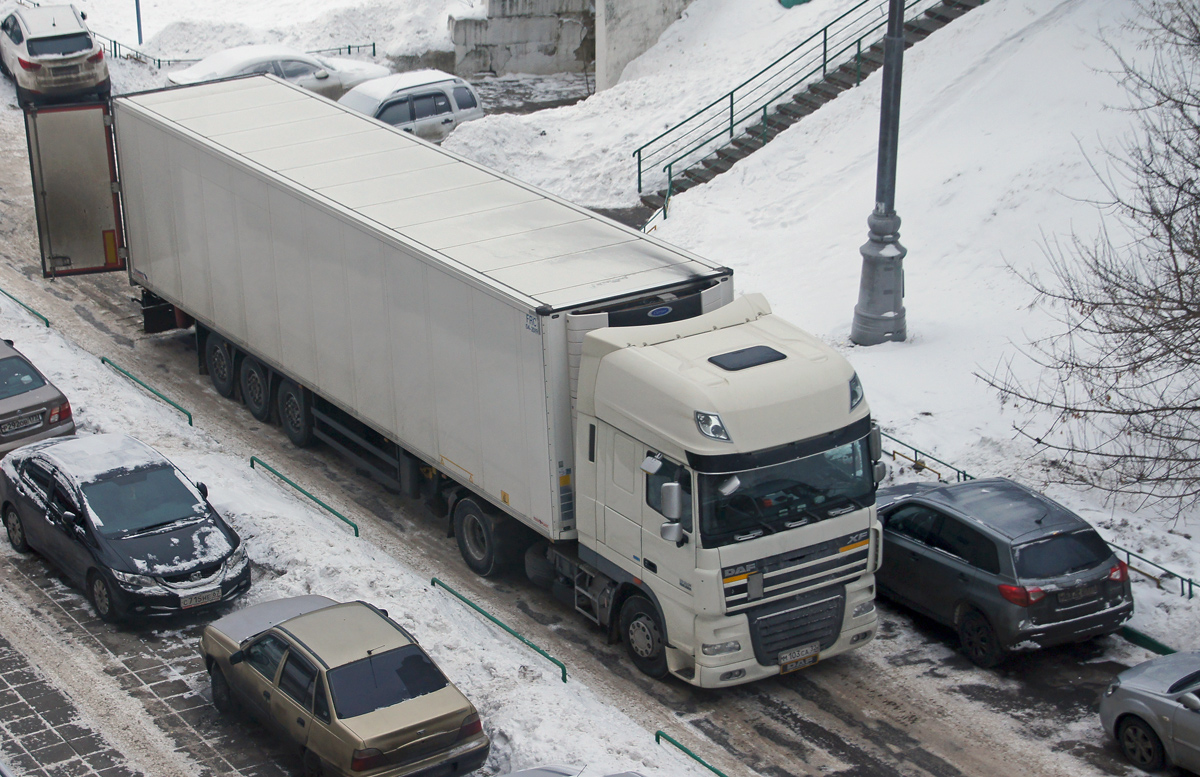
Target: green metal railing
(45, 320)
(660, 735)
(117, 50)
(256, 460)
(840, 42)
(920, 460)
(1146, 641)
(438, 583)
(1187, 586)
(151, 389)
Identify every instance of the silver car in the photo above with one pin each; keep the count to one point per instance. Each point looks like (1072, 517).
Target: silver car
(1153, 711)
(49, 53)
(427, 103)
(31, 408)
(328, 76)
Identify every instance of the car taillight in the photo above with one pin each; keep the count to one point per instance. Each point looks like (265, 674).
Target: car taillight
(471, 726)
(1022, 596)
(99, 55)
(361, 760)
(1119, 573)
(60, 413)
(29, 65)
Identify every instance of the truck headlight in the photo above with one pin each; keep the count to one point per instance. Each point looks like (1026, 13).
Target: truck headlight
(711, 426)
(856, 391)
(128, 580)
(721, 648)
(862, 609)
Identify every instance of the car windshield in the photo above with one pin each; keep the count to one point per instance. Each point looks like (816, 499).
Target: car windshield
(375, 682)
(18, 376)
(60, 45)
(125, 502)
(784, 496)
(1061, 554)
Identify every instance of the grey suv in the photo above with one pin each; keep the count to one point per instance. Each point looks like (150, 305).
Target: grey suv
(1003, 565)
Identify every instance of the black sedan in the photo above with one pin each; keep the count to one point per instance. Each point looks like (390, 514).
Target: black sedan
(122, 522)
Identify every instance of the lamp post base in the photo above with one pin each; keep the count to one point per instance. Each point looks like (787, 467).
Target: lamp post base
(879, 314)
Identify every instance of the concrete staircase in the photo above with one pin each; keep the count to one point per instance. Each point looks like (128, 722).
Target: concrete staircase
(805, 102)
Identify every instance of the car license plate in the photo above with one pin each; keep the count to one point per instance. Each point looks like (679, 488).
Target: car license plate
(66, 70)
(20, 423)
(205, 597)
(798, 658)
(1078, 594)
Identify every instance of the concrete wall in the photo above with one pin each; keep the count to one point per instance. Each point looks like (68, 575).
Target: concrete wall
(625, 29)
(526, 36)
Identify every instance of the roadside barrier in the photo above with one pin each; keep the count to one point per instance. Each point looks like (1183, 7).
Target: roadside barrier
(1187, 586)
(660, 735)
(45, 320)
(920, 461)
(436, 583)
(256, 460)
(154, 391)
(1146, 641)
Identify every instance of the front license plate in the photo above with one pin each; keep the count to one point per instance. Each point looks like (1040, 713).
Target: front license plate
(20, 423)
(205, 597)
(798, 658)
(1078, 594)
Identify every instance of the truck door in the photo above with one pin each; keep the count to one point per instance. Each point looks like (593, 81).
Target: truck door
(674, 564)
(72, 158)
(622, 493)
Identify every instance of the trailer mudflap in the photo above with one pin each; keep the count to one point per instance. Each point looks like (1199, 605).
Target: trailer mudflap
(76, 194)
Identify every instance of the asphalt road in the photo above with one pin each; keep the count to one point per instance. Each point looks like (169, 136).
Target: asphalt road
(908, 704)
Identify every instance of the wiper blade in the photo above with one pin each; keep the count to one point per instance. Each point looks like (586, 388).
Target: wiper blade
(155, 527)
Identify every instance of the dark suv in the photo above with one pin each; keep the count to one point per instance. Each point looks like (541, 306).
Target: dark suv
(1004, 565)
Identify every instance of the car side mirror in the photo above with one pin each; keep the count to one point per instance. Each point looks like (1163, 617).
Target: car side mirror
(203, 489)
(70, 518)
(672, 531)
(1191, 701)
(671, 495)
(236, 657)
(321, 75)
(83, 15)
(9, 342)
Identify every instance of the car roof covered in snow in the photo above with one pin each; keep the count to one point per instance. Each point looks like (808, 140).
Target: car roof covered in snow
(381, 88)
(86, 458)
(248, 621)
(51, 20)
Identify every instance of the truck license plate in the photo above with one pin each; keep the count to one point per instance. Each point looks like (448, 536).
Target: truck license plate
(1078, 594)
(205, 597)
(798, 658)
(20, 423)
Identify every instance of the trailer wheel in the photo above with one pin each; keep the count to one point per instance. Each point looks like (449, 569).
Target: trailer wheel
(480, 538)
(219, 358)
(256, 388)
(643, 636)
(295, 415)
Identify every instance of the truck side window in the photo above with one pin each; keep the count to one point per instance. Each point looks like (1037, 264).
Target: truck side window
(670, 473)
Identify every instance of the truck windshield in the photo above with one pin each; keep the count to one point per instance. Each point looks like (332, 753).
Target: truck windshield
(784, 496)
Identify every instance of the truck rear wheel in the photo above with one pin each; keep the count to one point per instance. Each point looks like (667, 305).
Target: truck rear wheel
(295, 415)
(480, 536)
(643, 635)
(256, 388)
(219, 359)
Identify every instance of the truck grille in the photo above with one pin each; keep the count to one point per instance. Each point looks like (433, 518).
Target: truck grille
(798, 571)
(800, 620)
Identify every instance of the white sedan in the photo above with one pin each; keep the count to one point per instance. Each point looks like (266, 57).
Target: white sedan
(330, 77)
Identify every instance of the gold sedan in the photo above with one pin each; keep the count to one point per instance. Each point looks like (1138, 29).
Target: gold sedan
(348, 685)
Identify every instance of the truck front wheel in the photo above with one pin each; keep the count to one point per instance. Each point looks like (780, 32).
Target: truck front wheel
(643, 635)
(295, 415)
(479, 538)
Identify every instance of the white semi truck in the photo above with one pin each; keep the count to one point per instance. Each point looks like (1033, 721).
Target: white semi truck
(689, 471)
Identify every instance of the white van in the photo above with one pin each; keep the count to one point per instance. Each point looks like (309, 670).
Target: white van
(428, 103)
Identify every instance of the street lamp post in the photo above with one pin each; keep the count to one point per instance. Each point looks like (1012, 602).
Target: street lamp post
(879, 314)
(137, 9)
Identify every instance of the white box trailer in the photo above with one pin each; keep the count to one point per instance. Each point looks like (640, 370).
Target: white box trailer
(464, 335)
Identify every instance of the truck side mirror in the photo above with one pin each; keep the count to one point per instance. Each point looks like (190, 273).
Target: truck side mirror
(672, 531)
(671, 495)
(879, 471)
(875, 442)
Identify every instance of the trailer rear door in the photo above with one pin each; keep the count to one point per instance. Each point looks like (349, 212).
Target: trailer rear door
(72, 159)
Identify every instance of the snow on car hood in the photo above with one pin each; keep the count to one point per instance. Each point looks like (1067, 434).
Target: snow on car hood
(1158, 674)
(174, 549)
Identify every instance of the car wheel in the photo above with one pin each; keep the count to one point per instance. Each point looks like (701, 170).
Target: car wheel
(24, 96)
(295, 415)
(978, 640)
(219, 358)
(102, 599)
(478, 538)
(256, 388)
(1140, 744)
(222, 695)
(643, 636)
(16, 530)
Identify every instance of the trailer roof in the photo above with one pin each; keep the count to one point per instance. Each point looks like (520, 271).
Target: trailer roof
(510, 234)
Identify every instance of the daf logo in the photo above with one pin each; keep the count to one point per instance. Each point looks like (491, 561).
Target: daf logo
(660, 312)
(740, 570)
